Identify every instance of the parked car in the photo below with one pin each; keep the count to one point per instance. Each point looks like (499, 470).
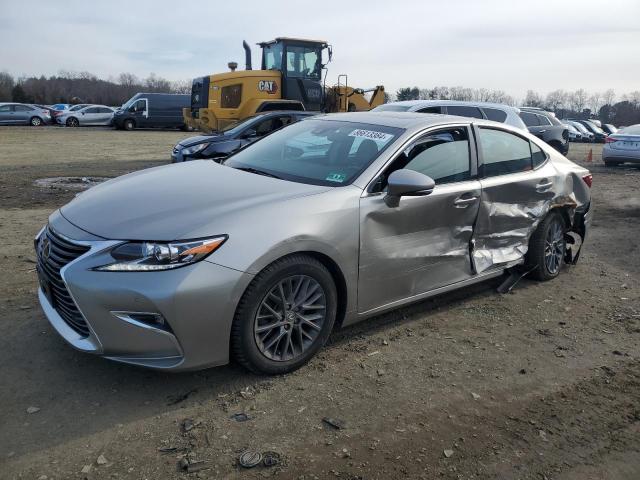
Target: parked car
(485, 110)
(608, 128)
(70, 108)
(23, 114)
(547, 127)
(60, 106)
(598, 134)
(622, 146)
(219, 145)
(86, 116)
(152, 110)
(587, 136)
(319, 224)
(574, 133)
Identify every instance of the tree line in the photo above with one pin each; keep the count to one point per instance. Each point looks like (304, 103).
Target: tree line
(605, 106)
(83, 87)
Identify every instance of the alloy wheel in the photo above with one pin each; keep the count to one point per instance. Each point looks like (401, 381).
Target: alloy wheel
(36, 122)
(554, 247)
(290, 318)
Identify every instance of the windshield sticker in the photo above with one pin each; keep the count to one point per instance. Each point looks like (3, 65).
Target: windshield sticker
(336, 177)
(371, 135)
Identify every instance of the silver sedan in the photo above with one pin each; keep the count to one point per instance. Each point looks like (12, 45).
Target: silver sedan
(324, 223)
(86, 116)
(622, 146)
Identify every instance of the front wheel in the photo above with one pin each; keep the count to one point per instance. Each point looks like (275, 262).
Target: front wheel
(129, 125)
(35, 121)
(73, 122)
(285, 316)
(547, 248)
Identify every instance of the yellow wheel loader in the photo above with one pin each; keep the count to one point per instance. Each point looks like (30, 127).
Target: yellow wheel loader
(290, 78)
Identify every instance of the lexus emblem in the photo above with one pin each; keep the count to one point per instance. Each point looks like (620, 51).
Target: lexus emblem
(45, 249)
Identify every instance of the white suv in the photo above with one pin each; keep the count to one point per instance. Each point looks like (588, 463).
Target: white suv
(497, 112)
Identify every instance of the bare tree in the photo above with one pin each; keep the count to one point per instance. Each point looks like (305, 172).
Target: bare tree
(608, 97)
(556, 100)
(579, 99)
(595, 101)
(6, 85)
(533, 99)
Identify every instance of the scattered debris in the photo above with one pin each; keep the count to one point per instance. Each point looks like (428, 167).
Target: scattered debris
(448, 453)
(523, 371)
(545, 332)
(165, 450)
(86, 469)
(191, 466)
(240, 417)
(380, 372)
(187, 425)
(101, 460)
(69, 183)
(270, 459)
(615, 352)
(31, 410)
(475, 396)
(333, 422)
(376, 352)
(543, 435)
(175, 399)
(249, 458)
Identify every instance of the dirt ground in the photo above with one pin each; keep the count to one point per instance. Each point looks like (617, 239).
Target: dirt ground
(542, 383)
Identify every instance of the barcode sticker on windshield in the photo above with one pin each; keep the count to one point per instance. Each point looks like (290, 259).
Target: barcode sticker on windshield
(371, 135)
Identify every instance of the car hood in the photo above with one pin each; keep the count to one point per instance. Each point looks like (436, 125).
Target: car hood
(217, 137)
(175, 201)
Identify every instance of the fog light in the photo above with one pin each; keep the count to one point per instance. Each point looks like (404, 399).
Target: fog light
(143, 319)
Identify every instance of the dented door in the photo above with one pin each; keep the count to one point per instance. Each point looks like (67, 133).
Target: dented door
(420, 245)
(518, 188)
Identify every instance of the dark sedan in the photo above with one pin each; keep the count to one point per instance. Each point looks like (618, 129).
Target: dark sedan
(219, 145)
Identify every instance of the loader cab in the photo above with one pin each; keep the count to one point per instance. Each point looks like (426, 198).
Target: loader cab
(300, 63)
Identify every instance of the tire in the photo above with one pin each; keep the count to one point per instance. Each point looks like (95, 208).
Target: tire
(611, 163)
(36, 122)
(546, 242)
(257, 334)
(72, 122)
(129, 125)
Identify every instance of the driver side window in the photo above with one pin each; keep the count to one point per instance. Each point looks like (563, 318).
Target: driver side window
(443, 155)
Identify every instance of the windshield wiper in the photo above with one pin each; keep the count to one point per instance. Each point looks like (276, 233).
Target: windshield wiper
(258, 172)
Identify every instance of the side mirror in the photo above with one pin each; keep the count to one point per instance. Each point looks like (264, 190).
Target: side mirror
(250, 133)
(403, 183)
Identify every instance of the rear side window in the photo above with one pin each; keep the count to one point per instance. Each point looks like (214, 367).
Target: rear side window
(464, 111)
(5, 108)
(503, 153)
(538, 156)
(23, 108)
(231, 96)
(495, 114)
(542, 120)
(105, 110)
(92, 110)
(431, 110)
(529, 119)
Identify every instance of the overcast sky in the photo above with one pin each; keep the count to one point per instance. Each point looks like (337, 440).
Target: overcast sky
(511, 45)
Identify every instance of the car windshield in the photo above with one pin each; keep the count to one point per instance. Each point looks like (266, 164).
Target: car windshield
(318, 152)
(390, 107)
(572, 128)
(611, 128)
(631, 130)
(580, 127)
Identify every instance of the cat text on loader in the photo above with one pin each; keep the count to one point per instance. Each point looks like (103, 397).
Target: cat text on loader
(290, 78)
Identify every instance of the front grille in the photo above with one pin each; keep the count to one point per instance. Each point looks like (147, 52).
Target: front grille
(54, 252)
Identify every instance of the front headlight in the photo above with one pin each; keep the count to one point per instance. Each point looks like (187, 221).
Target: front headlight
(154, 256)
(194, 149)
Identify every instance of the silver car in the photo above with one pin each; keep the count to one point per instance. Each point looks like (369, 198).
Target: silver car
(496, 112)
(324, 223)
(23, 114)
(622, 146)
(85, 116)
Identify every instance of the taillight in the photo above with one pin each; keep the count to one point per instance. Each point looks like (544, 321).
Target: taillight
(588, 179)
(610, 140)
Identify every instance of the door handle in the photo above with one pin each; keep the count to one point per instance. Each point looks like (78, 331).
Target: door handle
(544, 185)
(461, 202)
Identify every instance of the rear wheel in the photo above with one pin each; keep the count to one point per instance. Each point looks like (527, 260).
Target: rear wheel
(611, 163)
(285, 316)
(547, 248)
(73, 122)
(129, 124)
(35, 121)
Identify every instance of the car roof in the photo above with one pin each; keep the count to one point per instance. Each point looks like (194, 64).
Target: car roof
(412, 103)
(405, 120)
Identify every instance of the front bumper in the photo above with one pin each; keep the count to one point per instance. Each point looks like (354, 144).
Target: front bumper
(197, 303)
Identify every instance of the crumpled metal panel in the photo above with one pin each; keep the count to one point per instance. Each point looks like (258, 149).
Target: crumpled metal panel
(511, 210)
